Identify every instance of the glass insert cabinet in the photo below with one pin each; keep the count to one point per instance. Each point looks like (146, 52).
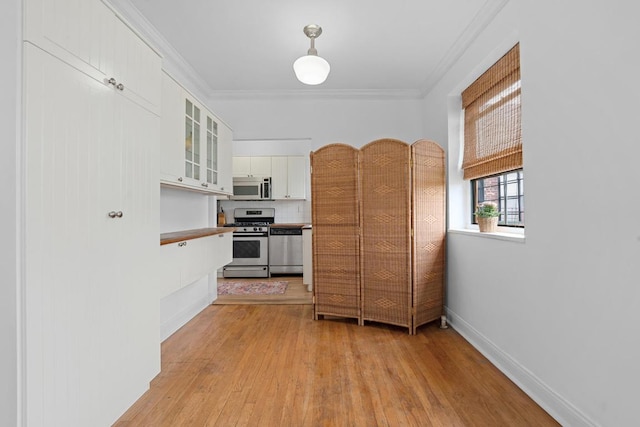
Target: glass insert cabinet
(194, 151)
(196, 144)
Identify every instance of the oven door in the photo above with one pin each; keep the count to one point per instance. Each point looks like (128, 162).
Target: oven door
(250, 256)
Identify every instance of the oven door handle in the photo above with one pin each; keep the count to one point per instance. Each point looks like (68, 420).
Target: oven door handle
(236, 236)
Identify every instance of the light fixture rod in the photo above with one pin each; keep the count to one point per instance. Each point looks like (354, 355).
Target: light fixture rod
(312, 50)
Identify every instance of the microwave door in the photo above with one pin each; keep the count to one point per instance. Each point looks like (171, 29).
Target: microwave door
(247, 191)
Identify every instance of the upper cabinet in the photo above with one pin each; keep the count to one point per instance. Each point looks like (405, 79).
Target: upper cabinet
(196, 145)
(95, 41)
(288, 177)
(252, 166)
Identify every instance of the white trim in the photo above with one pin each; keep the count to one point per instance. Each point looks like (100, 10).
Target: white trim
(382, 94)
(509, 236)
(558, 407)
(462, 43)
(177, 66)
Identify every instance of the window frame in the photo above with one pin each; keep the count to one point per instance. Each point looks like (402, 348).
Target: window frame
(502, 198)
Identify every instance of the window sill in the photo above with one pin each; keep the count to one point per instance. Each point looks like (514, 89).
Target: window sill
(506, 236)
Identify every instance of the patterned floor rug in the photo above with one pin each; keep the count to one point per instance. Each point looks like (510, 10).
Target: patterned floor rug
(252, 288)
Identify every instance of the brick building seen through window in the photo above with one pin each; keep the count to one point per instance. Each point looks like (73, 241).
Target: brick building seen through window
(507, 191)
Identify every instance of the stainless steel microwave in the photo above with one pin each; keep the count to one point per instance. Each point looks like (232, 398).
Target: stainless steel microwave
(251, 188)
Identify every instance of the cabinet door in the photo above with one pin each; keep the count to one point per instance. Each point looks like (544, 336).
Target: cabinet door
(172, 132)
(296, 177)
(279, 177)
(170, 267)
(89, 36)
(225, 174)
(288, 177)
(261, 166)
(197, 261)
(223, 250)
(211, 152)
(77, 32)
(193, 170)
(135, 67)
(86, 305)
(241, 166)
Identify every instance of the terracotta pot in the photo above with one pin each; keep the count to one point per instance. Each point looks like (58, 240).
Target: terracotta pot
(488, 225)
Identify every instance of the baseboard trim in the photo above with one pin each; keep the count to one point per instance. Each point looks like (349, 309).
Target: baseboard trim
(178, 320)
(558, 407)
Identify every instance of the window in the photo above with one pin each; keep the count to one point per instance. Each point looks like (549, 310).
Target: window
(507, 191)
(493, 139)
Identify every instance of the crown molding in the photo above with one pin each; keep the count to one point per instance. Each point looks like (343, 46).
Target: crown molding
(370, 94)
(176, 66)
(172, 62)
(479, 23)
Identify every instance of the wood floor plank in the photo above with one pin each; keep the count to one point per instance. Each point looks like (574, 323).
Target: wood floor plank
(272, 365)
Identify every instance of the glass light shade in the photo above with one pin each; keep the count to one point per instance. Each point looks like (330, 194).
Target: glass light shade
(311, 69)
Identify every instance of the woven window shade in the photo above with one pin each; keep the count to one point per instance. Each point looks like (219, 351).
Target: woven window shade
(492, 132)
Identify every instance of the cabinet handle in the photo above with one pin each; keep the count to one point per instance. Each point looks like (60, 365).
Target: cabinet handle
(119, 214)
(179, 179)
(112, 81)
(181, 244)
(120, 87)
(112, 214)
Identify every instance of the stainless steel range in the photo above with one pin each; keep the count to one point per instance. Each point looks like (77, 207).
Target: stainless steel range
(250, 243)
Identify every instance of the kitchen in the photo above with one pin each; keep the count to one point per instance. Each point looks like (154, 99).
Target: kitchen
(185, 210)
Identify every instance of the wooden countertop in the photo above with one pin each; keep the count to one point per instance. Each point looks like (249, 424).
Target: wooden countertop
(178, 236)
(288, 225)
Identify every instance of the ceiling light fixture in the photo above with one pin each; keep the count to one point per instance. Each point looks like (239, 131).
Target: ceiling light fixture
(311, 69)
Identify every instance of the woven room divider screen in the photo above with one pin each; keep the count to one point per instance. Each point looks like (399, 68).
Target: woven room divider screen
(335, 220)
(367, 263)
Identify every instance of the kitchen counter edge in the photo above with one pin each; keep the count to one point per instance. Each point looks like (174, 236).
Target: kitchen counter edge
(288, 225)
(179, 236)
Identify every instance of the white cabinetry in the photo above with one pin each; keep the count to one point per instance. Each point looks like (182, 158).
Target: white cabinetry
(186, 261)
(196, 145)
(89, 36)
(259, 166)
(91, 221)
(223, 250)
(288, 177)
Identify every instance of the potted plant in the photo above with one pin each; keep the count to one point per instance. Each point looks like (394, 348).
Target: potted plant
(487, 215)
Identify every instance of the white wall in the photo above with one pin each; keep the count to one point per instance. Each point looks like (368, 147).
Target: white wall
(321, 121)
(559, 313)
(298, 125)
(10, 36)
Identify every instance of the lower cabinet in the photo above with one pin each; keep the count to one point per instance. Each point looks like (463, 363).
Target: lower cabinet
(186, 261)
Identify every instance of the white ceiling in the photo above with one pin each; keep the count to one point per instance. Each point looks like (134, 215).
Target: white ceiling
(372, 45)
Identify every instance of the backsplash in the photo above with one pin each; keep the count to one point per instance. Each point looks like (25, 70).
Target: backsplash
(287, 211)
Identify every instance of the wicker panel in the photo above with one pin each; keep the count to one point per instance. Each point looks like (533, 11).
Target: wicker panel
(386, 232)
(428, 260)
(335, 220)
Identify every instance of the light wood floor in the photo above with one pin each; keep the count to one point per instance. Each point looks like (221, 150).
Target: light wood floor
(296, 292)
(272, 365)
